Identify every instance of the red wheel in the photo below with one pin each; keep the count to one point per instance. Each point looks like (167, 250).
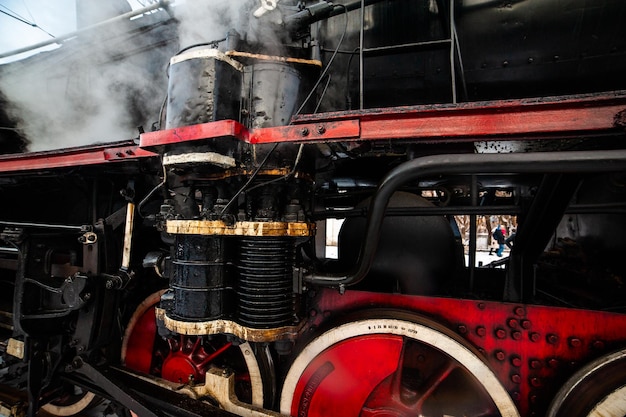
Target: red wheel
(185, 359)
(388, 367)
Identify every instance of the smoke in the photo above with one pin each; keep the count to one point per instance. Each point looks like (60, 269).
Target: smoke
(208, 20)
(102, 87)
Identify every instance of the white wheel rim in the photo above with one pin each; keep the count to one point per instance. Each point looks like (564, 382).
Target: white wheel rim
(613, 405)
(70, 410)
(474, 365)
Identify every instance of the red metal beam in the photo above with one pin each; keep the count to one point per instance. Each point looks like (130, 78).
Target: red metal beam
(71, 158)
(213, 130)
(512, 119)
(445, 122)
(483, 120)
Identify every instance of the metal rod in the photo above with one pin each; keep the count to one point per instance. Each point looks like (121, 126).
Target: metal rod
(532, 162)
(473, 232)
(128, 235)
(361, 70)
(421, 211)
(452, 51)
(42, 226)
(382, 50)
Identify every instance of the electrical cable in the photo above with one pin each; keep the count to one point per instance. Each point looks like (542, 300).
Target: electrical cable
(212, 43)
(319, 102)
(26, 22)
(252, 177)
(330, 61)
(154, 190)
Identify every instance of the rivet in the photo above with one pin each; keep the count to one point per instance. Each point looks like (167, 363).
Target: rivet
(516, 335)
(535, 364)
(481, 331)
(512, 323)
(321, 130)
(516, 361)
(462, 329)
(515, 395)
(516, 378)
(526, 324)
(553, 363)
(535, 337)
(535, 382)
(598, 344)
(500, 333)
(481, 306)
(519, 311)
(500, 355)
(304, 131)
(552, 339)
(575, 342)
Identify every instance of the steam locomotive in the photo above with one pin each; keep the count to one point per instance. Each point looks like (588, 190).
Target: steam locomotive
(185, 273)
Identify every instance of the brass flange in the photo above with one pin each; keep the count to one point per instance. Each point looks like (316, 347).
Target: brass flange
(220, 228)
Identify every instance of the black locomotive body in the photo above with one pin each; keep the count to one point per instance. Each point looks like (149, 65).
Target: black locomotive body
(186, 271)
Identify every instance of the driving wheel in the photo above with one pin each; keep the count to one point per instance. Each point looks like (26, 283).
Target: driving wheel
(597, 390)
(392, 365)
(186, 359)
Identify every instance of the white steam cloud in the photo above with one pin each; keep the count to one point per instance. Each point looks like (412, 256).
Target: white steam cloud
(95, 90)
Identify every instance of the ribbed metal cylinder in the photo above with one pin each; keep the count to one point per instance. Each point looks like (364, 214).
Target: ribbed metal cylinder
(265, 285)
(202, 290)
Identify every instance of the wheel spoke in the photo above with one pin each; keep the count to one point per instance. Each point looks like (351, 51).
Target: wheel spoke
(433, 382)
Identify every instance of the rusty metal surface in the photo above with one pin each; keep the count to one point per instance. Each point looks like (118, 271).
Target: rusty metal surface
(220, 228)
(228, 326)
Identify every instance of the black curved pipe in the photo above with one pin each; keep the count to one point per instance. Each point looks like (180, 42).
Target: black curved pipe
(513, 163)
